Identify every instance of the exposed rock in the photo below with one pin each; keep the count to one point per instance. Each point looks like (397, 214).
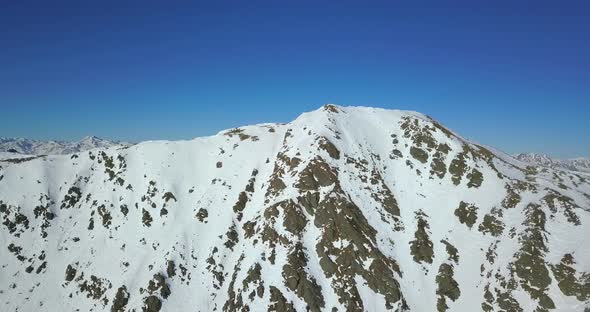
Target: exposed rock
(467, 213)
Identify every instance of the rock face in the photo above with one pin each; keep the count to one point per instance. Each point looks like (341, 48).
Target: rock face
(343, 209)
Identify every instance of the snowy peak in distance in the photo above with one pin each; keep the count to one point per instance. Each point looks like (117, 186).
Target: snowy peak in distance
(36, 147)
(576, 164)
(533, 158)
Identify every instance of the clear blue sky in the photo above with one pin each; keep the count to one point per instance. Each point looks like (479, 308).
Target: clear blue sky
(512, 74)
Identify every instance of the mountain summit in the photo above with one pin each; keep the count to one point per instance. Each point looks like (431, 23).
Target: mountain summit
(342, 209)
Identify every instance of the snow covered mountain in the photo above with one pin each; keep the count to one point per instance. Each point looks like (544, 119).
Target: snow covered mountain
(576, 164)
(35, 147)
(342, 209)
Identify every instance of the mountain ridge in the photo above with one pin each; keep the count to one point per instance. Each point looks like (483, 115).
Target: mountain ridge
(38, 147)
(574, 164)
(344, 208)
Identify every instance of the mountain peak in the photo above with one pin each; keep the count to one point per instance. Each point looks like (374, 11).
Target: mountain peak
(344, 208)
(91, 138)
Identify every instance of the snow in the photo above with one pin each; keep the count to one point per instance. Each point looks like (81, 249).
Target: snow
(180, 166)
(35, 147)
(581, 164)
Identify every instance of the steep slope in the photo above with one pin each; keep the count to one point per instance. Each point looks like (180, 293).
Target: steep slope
(577, 164)
(343, 209)
(35, 147)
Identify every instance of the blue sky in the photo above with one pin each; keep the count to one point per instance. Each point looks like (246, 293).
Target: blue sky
(512, 74)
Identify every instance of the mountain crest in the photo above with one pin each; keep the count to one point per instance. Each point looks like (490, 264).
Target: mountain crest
(342, 209)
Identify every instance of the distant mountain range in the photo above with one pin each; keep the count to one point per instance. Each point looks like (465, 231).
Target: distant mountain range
(36, 147)
(576, 164)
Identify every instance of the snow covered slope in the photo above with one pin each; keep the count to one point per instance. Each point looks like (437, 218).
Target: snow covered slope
(577, 164)
(343, 209)
(34, 147)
